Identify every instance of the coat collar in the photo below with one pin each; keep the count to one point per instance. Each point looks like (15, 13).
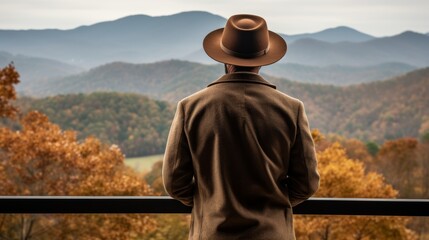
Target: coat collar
(242, 77)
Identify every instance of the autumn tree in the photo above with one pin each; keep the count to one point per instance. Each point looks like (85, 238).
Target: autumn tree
(355, 149)
(398, 161)
(42, 159)
(8, 78)
(154, 178)
(170, 226)
(341, 176)
(423, 162)
(422, 224)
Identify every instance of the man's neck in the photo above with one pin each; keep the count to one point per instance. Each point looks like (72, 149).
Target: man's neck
(232, 69)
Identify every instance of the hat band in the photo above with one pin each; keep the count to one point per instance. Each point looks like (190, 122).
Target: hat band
(244, 55)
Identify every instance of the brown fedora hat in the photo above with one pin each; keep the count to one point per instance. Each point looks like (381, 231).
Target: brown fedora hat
(245, 41)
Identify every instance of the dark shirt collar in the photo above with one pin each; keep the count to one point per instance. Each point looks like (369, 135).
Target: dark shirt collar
(242, 77)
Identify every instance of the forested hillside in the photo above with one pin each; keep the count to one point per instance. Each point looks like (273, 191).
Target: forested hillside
(168, 80)
(137, 124)
(374, 111)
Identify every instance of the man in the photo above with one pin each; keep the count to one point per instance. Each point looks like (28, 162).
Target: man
(240, 152)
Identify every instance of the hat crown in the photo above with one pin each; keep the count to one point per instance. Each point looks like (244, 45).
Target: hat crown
(245, 36)
(245, 41)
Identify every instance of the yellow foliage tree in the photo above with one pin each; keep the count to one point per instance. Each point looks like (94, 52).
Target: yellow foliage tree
(341, 176)
(41, 159)
(355, 149)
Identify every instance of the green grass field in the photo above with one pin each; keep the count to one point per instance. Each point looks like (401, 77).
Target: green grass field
(143, 164)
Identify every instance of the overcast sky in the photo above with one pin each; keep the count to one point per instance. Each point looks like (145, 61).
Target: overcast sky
(375, 17)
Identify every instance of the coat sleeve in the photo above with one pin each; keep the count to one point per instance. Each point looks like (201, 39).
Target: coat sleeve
(302, 177)
(177, 170)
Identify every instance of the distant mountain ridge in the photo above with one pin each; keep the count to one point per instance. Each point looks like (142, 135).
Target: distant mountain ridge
(37, 69)
(138, 38)
(157, 79)
(167, 80)
(409, 47)
(145, 39)
(332, 35)
(337, 74)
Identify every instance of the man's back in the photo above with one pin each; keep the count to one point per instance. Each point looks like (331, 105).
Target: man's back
(246, 157)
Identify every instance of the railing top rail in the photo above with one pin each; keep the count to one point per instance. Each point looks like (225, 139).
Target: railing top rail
(164, 205)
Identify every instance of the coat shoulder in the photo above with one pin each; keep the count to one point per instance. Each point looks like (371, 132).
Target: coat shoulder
(288, 98)
(193, 97)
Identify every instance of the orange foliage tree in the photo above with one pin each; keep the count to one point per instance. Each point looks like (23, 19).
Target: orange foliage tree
(41, 159)
(355, 149)
(341, 176)
(398, 161)
(8, 78)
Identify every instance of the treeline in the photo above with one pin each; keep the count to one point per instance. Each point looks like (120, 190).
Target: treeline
(137, 124)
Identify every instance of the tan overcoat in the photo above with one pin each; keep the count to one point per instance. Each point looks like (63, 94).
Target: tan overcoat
(241, 153)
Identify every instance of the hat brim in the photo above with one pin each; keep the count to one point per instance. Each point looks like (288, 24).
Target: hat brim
(277, 50)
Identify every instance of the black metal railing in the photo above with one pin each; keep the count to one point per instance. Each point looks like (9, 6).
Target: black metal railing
(163, 205)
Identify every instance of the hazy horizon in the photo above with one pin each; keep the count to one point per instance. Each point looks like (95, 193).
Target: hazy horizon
(377, 17)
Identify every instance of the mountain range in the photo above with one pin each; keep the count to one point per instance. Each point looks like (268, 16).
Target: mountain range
(332, 35)
(144, 39)
(376, 111)
(40, 77)
(138, 38)
(36, 69)
(158, 79)
(337, 74)
(167, 80)
(408, 47)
